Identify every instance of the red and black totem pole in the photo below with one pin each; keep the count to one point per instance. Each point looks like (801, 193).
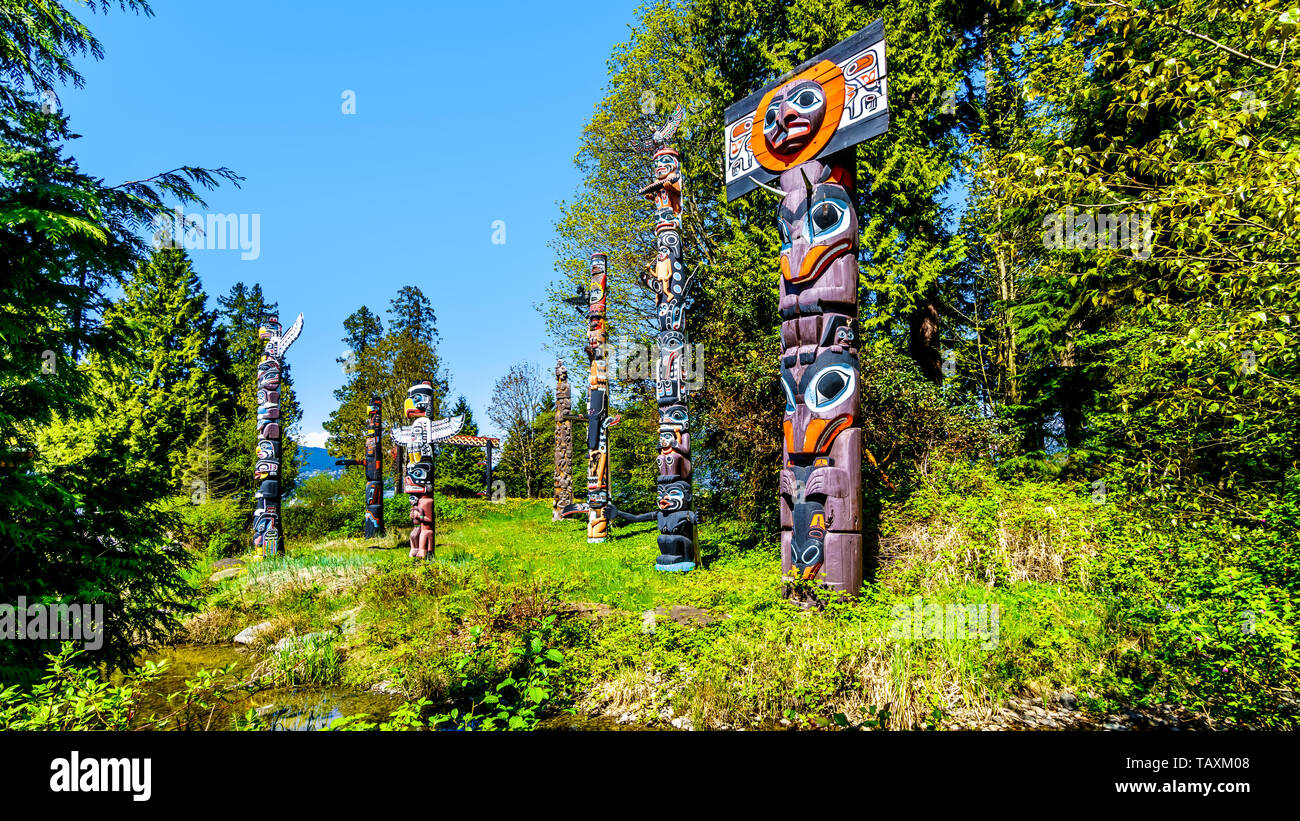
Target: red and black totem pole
(598, 507)
(800, 130)
(267, 535)
(374, 469)
(374, 465)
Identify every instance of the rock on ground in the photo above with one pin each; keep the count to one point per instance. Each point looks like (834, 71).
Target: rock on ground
(247, 635)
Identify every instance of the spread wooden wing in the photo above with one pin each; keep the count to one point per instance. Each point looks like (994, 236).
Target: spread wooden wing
(286, 339)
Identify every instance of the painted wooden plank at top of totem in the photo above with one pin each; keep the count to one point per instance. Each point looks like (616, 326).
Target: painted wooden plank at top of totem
(598, 419)
(799, 131)
(419, 438)
(668, 280)
(563, 443)
(268, 537)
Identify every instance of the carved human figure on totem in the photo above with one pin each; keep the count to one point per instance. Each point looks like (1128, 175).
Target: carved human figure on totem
(674, 444)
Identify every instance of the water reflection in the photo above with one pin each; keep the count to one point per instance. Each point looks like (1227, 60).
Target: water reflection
(282, 708)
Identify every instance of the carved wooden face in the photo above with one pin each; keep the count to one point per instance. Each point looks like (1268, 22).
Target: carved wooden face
(794, 115)
(666, 163)
(674, 496)
(268, 374)
(821, 400)
(419, 477)
(817, 223)
(419, 400)
(269, 329)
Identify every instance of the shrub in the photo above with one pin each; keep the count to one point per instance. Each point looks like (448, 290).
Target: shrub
(215, 529)
(1215, 616)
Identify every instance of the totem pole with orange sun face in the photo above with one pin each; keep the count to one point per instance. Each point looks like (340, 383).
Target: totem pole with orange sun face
(799, 132)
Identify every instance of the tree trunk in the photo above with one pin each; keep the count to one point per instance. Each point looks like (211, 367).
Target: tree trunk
(924, 340)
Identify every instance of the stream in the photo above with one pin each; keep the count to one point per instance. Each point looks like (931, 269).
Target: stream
(284, 708)
(291, 708)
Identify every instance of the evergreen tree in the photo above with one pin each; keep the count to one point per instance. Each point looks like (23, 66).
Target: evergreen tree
(83, 517)
(362, 330)
(387, 364)
(167, 389)
(460, 469)
(366, 375)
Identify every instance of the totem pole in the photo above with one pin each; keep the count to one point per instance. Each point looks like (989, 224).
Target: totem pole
(374, 469)
(267, 535)
(801, 130)
(563, 443)
(599, 421)
(667, 278)
(419, 438)
(374, 465)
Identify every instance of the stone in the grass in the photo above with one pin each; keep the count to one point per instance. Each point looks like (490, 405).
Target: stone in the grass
(247, 635)
(228, 573)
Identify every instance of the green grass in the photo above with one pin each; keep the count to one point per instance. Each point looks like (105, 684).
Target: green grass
(450, 629)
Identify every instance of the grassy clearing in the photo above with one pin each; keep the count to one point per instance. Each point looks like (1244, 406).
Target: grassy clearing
(451, 629)
(984, 590)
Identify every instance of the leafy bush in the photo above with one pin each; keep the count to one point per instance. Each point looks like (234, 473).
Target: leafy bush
(73, 696)
(1216, 613)
(215, 529)
(310, 523)
(514, 702)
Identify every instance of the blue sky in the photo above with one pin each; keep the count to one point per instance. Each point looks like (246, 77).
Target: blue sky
(466, 114)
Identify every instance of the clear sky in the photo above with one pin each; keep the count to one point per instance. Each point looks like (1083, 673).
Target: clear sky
(466, 113)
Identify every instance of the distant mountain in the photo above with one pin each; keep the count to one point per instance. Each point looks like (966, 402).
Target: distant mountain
(316, 460)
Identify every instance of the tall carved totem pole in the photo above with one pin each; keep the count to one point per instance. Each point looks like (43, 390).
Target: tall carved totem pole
(267, 535)
(419, 438)
(563, 443)
(667, 278)
(598, 418)
(801, 130)
(374, 465)
(374, 469)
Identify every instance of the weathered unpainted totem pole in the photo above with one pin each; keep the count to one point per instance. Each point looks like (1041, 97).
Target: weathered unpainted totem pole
(419, 438)
(267, 535)
(563, 443)
(667, 278)
(801, 130)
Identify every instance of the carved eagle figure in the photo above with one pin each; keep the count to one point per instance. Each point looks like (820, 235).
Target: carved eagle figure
(277, 345)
